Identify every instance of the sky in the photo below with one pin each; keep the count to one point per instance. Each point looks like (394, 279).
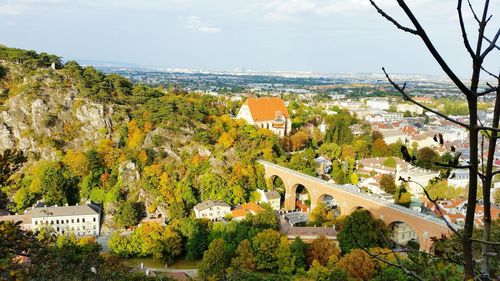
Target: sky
(333, 36)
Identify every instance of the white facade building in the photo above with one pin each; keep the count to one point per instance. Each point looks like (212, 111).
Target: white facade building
(412, 108)
(272, 198)
(212, 210)
(267, 113)
(403, 233)
(81, 220)
(378, 104)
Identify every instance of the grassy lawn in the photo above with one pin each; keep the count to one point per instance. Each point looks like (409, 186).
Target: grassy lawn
(183, 263)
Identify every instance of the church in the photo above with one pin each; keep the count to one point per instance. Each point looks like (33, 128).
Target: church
(268, 113)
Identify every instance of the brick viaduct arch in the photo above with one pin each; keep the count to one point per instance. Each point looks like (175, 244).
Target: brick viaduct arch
(348, 199)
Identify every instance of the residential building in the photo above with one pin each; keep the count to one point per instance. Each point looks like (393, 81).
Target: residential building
(212, 210)
(378, 104)
(412, 108)
(240, 212)
(81, 220)
(271, 197)
(268, 113)
(454, 211)
(402, 233)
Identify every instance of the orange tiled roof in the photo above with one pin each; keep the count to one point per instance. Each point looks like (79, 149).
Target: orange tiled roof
(251, 206)
(264, 109)
(237, 213)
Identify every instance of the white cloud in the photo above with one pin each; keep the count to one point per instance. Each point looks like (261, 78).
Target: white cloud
(195, 23)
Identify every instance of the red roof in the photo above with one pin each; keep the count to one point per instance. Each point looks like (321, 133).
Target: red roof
(265, 109)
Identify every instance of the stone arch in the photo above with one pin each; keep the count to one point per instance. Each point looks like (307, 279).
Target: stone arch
(331, 202)
(275, 182)
(299, 196)
(403, 234)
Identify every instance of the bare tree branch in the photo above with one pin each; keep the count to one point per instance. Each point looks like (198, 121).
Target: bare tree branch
(473, 12)
(485, 92)
(492, 45)
(395, 22)
(464, 31)
(486, 242)
(408, 98)
(430, 46)
(491, 42)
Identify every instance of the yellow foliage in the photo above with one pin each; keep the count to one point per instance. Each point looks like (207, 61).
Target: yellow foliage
(226, 140)
(77, 162)
(143, 156)
(135, 136)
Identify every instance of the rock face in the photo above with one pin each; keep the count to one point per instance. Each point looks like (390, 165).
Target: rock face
(51, 120)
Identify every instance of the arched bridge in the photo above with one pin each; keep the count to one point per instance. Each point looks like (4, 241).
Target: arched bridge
(349, 199)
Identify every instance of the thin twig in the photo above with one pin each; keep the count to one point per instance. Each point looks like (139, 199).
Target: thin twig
(464, 31)
(408, 98)
(395, 22)
(492, 45)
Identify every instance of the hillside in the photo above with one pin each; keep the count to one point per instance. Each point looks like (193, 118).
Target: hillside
(88, 135)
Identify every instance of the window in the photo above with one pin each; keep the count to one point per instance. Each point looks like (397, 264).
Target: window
(36, 222)
(94, 219)
(78, 220)
(72, 220)
(83, 220)
(57, 221)
(83, 227)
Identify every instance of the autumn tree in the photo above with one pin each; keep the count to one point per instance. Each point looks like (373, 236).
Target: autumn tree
(388, 183)
(244, 259)
(299, 140)
(215, 261)
(265, 245)
(358, 265)
(321, 249)
(473, 92)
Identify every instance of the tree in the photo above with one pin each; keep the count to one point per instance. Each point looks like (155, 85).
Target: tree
(215, 261)
(320, 215)
(358, 264)
(128, 214)
(496, 196)
(361, 230)
(427, 158)
(265, 245)
(284, 258)
(380, 148)
(390, 162)
(388, 183)
(472, 93)
(299, 140)
(321, 249)
(299, 248)
(244, 259)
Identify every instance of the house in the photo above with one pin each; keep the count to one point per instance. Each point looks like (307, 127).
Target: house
(412, 108)
(378, 103)
(240, 212)
(271, 197)
(402, 233)
(212, 210)
(324, 166)
(267, 112)
(81, 220)
(454, 211)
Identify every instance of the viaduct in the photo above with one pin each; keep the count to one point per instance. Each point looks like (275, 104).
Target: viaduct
(349, 199)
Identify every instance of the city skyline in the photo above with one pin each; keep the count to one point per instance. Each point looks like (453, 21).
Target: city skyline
(279, 35)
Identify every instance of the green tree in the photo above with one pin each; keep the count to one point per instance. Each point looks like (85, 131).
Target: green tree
(244, 259)
(390, 162)
(391, 273)
(380, 148)
(299, 248)
(265, 245)
(360, 228)
(215, 261)
(128, 214)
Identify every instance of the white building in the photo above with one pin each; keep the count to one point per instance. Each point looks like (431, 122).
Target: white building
(81, 220)
(272, 198)
(378, 104)
(402, 233)
(212, 210)
(412, 108)
(419, 177)
(391, 117)
(268, 113)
